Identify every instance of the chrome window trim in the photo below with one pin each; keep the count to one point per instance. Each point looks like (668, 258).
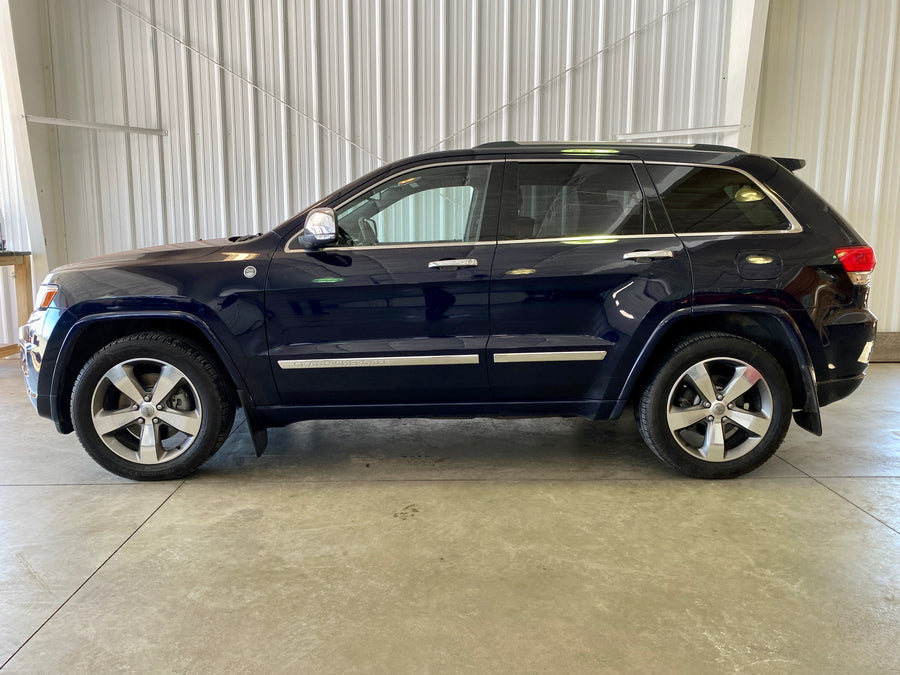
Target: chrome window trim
(793, 229)
(444, 244)
(380, 361)
(602, 238)
(542, 357)
(400, 172)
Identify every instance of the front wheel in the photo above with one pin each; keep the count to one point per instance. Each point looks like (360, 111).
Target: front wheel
(717, 408)
(151, 407)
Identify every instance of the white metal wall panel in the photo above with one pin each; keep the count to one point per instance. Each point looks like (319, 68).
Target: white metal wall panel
(829, 94)
(12, 211)
(270, 104)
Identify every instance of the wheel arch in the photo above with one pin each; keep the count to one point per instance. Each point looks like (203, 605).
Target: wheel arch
(771, 328)
(90, 334)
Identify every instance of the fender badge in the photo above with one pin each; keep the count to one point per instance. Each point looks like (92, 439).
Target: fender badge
(249, 271)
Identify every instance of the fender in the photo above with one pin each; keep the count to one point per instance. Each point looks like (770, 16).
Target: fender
(807, 417)
(244, 396)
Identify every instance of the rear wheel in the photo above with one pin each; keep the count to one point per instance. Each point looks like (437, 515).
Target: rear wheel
(151, 407)
(717, 408)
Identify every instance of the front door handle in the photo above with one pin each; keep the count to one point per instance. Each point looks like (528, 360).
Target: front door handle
(648, 255)
(455, 264)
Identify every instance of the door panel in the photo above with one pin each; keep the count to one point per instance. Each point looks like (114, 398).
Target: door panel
(576, 304)
(569, 311)
(397, 320)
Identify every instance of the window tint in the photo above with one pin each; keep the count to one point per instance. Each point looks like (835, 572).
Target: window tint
(714, 200)
(572, 199)
(438, 204)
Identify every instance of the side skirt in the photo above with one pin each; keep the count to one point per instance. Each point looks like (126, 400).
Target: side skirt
(279, 416)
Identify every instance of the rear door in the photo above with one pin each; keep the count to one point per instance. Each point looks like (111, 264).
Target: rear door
(397, 311)
(584, 270)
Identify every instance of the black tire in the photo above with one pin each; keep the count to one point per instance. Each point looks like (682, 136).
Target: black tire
(177, 425)
(688, 414)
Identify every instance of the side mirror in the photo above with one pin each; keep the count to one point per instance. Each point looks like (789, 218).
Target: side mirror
(319, 230)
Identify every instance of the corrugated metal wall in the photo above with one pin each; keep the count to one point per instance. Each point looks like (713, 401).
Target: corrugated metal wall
(12, 211)
(271, 104)
(829, 93)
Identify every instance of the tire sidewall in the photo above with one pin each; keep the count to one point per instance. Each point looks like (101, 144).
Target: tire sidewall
(655, 403)
(186, 360)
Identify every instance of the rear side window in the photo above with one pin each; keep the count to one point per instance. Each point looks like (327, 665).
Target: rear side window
(708, 199)
(574, 199)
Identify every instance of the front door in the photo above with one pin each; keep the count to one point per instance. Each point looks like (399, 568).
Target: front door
(397, 310)
(581, 276)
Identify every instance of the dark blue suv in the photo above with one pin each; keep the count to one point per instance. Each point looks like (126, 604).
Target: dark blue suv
(708, 287)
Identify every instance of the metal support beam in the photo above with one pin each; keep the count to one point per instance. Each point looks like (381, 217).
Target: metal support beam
(96, 126)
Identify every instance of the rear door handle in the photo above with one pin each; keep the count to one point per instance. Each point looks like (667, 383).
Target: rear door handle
(455, 264)
(648, 255)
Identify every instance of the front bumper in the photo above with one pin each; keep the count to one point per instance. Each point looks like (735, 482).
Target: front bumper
(30, 361)
(32, 351)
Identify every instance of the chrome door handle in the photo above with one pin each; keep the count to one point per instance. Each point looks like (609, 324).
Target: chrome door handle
(648, 255)
(452, 264)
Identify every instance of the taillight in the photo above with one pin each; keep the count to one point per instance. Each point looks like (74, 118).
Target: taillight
(858, 262)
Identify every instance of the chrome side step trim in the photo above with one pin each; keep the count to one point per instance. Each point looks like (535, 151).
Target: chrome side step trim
(533, 357)
(381, 361)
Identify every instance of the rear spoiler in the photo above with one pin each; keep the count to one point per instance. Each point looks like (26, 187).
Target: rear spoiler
(790, 163)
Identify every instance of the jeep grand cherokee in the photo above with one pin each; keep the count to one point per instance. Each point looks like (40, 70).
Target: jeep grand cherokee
(710, 288)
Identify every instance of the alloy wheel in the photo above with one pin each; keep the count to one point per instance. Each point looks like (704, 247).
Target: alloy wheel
(146, 411)
(719, 409)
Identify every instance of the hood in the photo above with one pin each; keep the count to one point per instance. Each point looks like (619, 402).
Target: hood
(169, 252)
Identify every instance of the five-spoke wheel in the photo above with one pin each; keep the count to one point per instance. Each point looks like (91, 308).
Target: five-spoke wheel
(151, 406)
(717, 408)
(146, 411)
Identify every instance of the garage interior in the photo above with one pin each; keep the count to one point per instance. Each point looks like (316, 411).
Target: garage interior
(527, 545)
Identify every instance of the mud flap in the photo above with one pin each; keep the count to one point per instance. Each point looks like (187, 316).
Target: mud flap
(258, 433)
(811, 421)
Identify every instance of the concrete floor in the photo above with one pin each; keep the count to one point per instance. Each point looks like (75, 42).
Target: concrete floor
(455, 546)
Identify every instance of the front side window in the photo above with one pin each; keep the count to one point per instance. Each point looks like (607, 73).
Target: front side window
(575, 199)
(427, 205)
(708, 199)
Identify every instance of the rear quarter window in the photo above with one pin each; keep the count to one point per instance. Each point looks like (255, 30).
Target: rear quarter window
(709, 199)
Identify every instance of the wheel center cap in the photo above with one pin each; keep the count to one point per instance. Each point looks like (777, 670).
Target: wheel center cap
(148, 410)
(718, 408)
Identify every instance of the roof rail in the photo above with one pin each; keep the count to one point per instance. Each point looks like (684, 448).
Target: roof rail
(516, 144)
(497, 144)
(716, 148)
